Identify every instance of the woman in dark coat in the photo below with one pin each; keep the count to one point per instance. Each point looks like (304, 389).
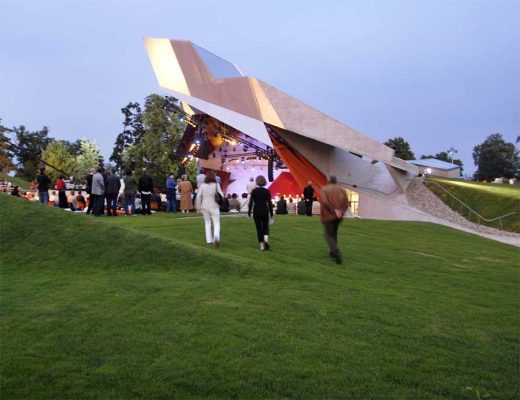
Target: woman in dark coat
(260, 204)
(281, 206)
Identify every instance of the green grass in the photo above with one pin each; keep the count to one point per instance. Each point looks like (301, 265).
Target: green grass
(140, 307)
(488, 199)
(21, 183)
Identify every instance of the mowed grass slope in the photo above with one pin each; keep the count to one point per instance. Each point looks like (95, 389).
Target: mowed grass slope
(142, 308)
(490, 200)
(16, 181)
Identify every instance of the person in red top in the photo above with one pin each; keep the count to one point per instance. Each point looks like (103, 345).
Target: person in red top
(334, 203)
(62, 196)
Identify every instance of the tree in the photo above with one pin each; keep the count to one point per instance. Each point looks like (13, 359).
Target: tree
(74, 148)
(496, 158)
(443, 156)
(151, 138)
(28, 150)
(89, 157)
(133, 130)
(6, 155)
(58, 156)
(401, 147)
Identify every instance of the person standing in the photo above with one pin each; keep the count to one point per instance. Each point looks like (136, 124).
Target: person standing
(334, 203)
(262, 207)
(113, 186)
(145, 187)
(98, 192)
(89, 189)
(43, 186)
(281, 206)
(308, 195)
(62, 195)
(130, 192)
(186, 191)
(205, 202)
(171, 192)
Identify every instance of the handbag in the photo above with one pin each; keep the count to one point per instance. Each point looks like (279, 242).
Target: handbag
(218, 197)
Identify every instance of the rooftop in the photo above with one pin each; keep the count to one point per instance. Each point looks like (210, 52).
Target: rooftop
(434, 163)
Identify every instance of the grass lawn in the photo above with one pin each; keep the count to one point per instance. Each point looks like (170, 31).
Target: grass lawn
(490, 200)
(140, 307)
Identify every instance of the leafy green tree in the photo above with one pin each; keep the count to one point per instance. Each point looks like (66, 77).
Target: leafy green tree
(443, 156)
(28, 150)
(401, 147)
(57, 155)
(496, 158)
(89, 157)
(74, 148)
(6, 155)
(133, 130)
(151, 138)
(191, 171)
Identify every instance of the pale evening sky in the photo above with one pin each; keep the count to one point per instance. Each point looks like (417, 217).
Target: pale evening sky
(438, 73)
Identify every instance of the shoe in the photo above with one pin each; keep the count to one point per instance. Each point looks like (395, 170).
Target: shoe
(216, 243)
(338, 259)
(266, 245)
(262, 246)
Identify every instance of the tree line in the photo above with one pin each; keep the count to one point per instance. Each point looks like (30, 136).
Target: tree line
(152, 133)
(494, 158)
(149, 139)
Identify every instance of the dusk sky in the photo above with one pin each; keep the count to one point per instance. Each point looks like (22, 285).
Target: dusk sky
(438, 73)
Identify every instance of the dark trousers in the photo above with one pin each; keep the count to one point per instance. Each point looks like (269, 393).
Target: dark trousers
(330, 229)
(62, 199)
(90, 203)
(98, 201)
(112, 203)
(308, 207)
(262, 225)
(171, 205)
(146, 203)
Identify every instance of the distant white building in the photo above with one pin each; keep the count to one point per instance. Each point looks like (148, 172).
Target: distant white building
(434, 167)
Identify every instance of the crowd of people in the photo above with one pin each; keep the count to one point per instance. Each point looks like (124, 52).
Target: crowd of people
(108, 194)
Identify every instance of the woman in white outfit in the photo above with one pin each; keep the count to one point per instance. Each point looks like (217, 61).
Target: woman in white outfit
(205, 202)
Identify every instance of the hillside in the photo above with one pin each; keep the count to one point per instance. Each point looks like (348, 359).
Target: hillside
(488, 199)
(142, 308)
(20, 182)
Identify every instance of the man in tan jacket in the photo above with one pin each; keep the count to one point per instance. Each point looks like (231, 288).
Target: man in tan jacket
(334, 203)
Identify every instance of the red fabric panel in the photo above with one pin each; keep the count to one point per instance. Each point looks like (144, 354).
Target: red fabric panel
(302, 169)
(285, 185)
